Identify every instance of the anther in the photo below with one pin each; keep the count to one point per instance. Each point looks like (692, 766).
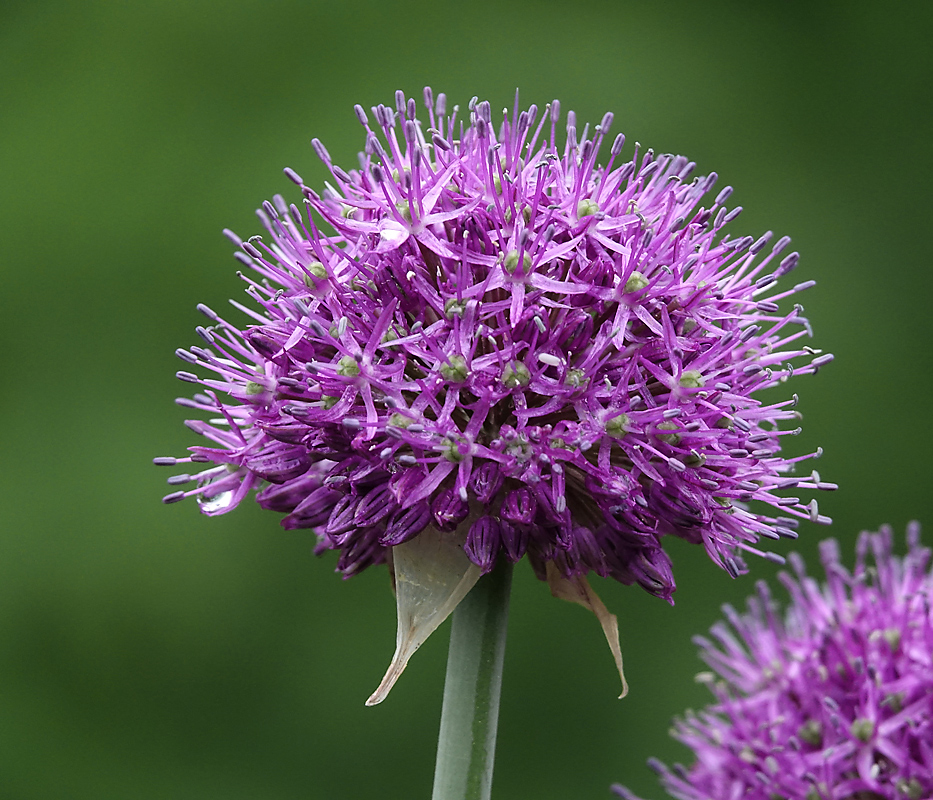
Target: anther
(765, 280)
(780, 244)
(617, 145)
(724, 195)
(788, 263)
(814, 509)
(207, 312)
(759, 245)
(293, 176)
(732, 215)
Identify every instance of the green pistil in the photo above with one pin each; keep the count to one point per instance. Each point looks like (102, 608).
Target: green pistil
(912, 788)
(576, 377)
(811, 732)
(399, 420)
(894, 701)
(695, 460)
(404, 210)
(452, 452)
(511, 261)
(516, 376)
(587, 207)
(616, 427)
(329, 401)
(318, 272)
(456, 371)
(670, 438)
(254, 388)
(348, 367)
(635, 283)
(526, 214)
(893, 637)
(863, 729)
(691, 379)
(347, 212)
(454, 308)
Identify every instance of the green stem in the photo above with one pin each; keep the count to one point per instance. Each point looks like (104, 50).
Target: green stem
(466, 747)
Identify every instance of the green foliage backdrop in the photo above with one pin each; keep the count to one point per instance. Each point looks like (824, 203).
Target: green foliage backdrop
(148, 652)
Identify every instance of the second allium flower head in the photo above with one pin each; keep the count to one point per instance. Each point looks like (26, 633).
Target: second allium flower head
(830, 700)
(482, 332)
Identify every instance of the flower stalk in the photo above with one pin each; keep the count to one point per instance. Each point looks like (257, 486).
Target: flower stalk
(467, 742)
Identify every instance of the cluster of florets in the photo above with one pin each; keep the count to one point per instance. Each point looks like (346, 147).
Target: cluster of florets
(834, 701)
(484, 333)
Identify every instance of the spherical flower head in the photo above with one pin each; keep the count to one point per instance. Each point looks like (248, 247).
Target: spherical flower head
(483, 332)
(832, 700)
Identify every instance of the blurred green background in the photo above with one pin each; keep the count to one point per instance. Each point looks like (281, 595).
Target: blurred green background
(149, 652)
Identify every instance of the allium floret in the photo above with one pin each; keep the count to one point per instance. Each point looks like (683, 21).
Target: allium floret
(832, 700)
(481, 331)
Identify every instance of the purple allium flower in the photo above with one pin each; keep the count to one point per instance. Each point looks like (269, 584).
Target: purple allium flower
(481, 331)
(832, 701)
